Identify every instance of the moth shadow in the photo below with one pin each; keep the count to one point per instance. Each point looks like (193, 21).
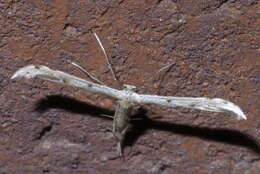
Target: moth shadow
(227, 136)
(71, 105)
(143, 123)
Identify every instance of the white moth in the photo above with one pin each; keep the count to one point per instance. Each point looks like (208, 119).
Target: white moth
(213, 105)
(127, 97)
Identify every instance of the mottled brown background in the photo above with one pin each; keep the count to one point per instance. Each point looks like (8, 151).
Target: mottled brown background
(215, 48)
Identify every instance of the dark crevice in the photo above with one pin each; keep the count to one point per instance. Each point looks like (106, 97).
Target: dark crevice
(159, 1)
(222, 3)
(44, 131)
(67, 25)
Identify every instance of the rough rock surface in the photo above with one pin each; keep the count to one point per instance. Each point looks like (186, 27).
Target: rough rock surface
(214, 48)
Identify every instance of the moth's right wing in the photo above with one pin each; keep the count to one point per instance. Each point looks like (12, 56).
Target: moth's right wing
(206, 104)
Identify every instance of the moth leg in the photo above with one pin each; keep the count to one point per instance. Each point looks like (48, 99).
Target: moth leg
(120, 138)
(119, 149)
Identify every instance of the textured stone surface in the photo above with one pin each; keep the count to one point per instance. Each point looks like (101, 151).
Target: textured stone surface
(48, 128)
